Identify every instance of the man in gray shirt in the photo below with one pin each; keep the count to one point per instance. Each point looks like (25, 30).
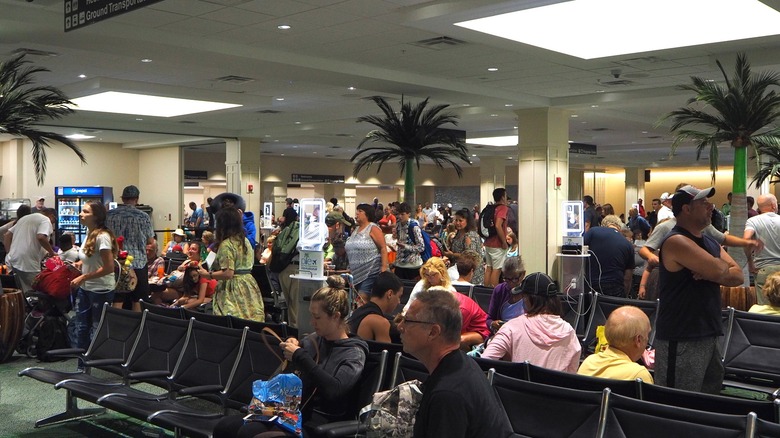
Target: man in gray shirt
(765, 226)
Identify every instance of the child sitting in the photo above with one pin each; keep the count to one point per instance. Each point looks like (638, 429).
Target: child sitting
(68, 251)
(197, 289)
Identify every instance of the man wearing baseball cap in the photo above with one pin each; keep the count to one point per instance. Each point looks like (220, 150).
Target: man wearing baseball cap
(665, 212)
(136, 227)
(693, 267)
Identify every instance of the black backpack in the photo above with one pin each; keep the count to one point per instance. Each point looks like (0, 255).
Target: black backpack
(718, 220)
(487, 221)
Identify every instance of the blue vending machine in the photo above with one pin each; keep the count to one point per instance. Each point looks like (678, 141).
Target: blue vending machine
(68, 202)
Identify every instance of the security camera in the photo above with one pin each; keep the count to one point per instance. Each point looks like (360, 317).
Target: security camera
(616, 73)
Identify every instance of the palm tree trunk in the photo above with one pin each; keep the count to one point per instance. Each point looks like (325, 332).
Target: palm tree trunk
(409, 194)
(739, 207)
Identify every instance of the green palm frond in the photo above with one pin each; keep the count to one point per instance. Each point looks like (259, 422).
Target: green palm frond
(23, 105)
(770, 164)
(739, 112)
(415, 133)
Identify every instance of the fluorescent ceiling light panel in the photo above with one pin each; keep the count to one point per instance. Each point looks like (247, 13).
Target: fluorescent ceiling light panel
(509, 140)
(591, 29)
(145, 105)
(79, 136)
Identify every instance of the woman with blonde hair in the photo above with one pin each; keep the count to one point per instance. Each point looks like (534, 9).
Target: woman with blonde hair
(474, 328)
(96, 282)
(772, 293)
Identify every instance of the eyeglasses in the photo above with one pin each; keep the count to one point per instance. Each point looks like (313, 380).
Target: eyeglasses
(406, 320)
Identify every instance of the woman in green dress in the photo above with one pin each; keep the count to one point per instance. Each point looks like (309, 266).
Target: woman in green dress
(237, 291)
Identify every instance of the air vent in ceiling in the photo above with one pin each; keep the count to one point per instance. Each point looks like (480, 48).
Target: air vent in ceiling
(187, 122)
(233, 79)
(371, 97)
(439, 43)
(269, 111)
(335, 147)
(642, 61)
(599, 129)
(655, 137)
(342, 135)
(616, 82)
(33, 52)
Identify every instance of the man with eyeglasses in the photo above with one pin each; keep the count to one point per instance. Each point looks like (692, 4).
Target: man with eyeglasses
(627, 331)
(692, 268)
(457, 398)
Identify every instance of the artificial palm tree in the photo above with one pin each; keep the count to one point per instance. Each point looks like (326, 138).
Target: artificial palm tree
(770, 164)
(23, 105)
(742, 113)
(411, 136)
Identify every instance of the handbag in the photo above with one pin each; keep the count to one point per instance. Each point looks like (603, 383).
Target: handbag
(126, 280)
(391, 413)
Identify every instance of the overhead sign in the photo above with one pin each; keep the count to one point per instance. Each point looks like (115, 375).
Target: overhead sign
(582, 148)
(307, 178)
(196, 174)
(80, 13)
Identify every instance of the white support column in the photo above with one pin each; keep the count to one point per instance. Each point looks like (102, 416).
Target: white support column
(492, 175)
(635, 188)
(543, 156)
(242, 168)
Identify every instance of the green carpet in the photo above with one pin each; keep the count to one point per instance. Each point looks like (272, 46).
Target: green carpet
(24, 400)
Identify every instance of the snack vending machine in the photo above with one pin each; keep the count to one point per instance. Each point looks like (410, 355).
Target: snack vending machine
(68, 202)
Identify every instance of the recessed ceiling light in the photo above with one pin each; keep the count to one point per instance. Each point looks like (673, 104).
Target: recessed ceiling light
(571, 141)
(599, 91)
(138, 119)
(473, 155)
(145, 105)
(494, 115)
(280, 99)
(351, 88)
(574, 116)
(297, 123)
(465, 104)
(314, 152)
(282, 154)
(295, 146)
(644, 132)
(146, 60)
(514, 127)
(492, 68)
(79, 136)
(594, 106)
(82, 76)
(509, 104)
(509, 158)
(541, 26)
(284, 27)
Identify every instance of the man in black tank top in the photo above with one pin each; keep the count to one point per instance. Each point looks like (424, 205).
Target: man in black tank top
(692, 268)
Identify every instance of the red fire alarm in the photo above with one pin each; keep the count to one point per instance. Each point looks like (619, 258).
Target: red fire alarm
(557, 181)
(250, 188)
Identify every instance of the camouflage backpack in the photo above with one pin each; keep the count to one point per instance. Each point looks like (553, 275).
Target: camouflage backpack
(391, 413)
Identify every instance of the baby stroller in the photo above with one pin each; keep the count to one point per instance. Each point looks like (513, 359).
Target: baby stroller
(46, 321)
(45, 325)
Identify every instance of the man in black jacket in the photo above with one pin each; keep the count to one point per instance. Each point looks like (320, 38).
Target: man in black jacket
(457, 398)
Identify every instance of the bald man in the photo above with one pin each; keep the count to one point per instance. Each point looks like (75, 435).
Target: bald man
(766, 227)
(627, 331)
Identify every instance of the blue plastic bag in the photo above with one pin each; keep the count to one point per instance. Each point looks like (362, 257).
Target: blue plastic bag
(278, 401)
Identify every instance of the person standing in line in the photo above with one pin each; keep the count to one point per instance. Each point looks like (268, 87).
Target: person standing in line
(692, 268)
(39, 205)
(466, 238)
(96, 282)
(366, 251)
(496, 245)
(237, 292)
(28, 243)
(765, 226)
(196, 220)
(136, 227)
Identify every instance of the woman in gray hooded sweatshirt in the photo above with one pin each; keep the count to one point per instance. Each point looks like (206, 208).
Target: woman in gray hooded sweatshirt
(329, 378)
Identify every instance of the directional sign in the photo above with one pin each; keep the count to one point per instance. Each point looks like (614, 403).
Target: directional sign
(80, 13)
